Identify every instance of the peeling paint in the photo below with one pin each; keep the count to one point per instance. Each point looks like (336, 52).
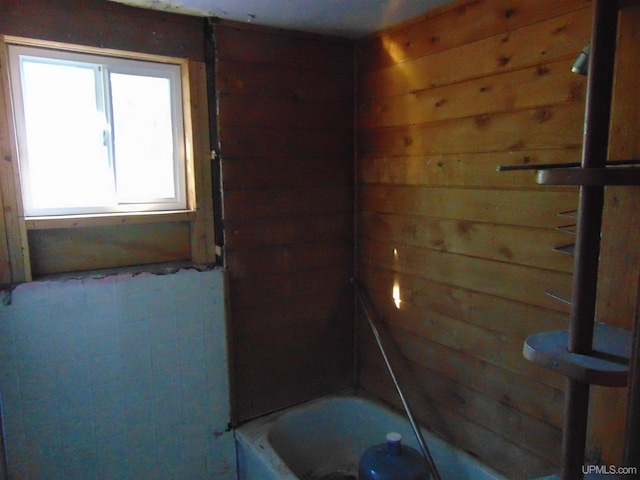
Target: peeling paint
(166, 6)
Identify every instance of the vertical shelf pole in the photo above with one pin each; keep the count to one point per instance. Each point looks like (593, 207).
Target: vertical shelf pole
(631, 457)
(591, 201)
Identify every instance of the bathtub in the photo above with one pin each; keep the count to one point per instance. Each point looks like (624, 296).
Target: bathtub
(323, 439)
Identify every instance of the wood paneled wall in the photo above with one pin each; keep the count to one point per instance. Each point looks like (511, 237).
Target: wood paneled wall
(285, 116)
(456, 256)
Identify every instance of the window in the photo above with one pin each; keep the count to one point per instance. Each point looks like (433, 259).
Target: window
(97, 134)
(107, 159)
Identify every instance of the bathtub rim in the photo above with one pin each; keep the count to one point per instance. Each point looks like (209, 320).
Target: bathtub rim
(254, 434)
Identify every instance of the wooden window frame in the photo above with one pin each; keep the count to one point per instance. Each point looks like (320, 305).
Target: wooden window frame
(15, 264)
(102, 73)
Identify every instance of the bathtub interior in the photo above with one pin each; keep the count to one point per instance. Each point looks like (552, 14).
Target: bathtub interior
(326, 438)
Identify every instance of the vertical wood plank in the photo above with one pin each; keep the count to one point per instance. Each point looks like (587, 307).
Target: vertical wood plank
(5, 265)
(202, 230)
(14, 225)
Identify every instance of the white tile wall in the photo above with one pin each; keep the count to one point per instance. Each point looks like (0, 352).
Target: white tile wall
(122, 377)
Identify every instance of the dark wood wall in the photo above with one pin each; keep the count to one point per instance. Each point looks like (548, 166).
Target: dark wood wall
(285, 113)
(443, 100)
(106, 25)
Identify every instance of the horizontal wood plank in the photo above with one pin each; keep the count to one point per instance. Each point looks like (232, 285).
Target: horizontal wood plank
(522, 393)
(281, 48)
(283, 112)
(501, 279)
(279, 290)
(462, 169)
(312, 352)
(92, 248)
(279, 143)
(440, 29)
(251, 204)
(79, 221)
(552, 127)
(287, 172)
(532, 247)
(287, 230)
(311, 342)
(413, 325)
(283, 82)
(301, 384)
(529, 208)
(263, 261)
(105, 24)
(539, 85)
(494, 313)
(260, 317)
(555, 38)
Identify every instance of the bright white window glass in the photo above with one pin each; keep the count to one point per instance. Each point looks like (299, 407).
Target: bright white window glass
(143, 138)
(97, 134)
(68, 161)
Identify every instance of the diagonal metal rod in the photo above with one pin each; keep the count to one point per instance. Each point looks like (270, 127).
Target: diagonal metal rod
(416, 430)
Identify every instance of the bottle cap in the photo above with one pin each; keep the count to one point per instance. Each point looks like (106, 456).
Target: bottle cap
(394, 445)
(394, 437)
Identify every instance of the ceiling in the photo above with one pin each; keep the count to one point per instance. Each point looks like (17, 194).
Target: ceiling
(345, 18)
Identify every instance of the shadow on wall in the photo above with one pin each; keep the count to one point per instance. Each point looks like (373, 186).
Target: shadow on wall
(117, 377)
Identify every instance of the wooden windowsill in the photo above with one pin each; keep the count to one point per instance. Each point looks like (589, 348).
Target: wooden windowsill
(107, 219)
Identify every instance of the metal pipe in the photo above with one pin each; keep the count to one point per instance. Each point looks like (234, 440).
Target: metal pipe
(549, 166)
(581, 65)
(416, 429)
(591, 201)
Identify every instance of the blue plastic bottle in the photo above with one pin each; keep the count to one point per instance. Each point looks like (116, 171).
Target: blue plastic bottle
(392, 461)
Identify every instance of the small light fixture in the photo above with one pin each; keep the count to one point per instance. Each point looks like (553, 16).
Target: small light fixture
(581, 65)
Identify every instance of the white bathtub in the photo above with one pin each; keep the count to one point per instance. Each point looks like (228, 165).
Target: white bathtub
(324, 438)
